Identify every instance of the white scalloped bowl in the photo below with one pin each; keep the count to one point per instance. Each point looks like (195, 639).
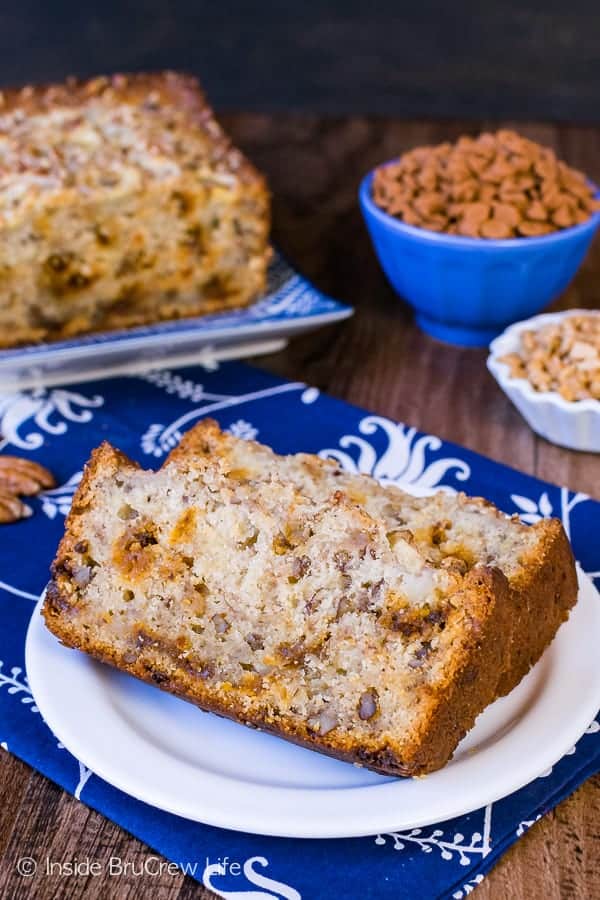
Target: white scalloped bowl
(572, 424)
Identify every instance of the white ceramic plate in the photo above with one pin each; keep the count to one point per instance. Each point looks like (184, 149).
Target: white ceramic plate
(175, 757)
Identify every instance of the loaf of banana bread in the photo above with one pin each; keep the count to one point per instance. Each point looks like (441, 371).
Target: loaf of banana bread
(290, 609)
(122, 202)
(449, 530)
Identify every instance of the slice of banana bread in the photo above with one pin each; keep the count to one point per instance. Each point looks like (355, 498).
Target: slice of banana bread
(122, 202)
(453, 531)
(293, 611)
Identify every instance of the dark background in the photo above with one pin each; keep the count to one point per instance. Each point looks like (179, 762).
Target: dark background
(492, 58)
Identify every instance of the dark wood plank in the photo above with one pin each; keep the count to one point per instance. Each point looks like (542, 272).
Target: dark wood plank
(13, 784)
(501, 57)
(53, 829)
(379, 360)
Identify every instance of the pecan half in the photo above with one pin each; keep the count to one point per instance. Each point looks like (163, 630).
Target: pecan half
(11, 508)
(22, 476)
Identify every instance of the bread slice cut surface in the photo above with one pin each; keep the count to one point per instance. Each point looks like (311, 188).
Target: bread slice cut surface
(453, 531)
(297, 611)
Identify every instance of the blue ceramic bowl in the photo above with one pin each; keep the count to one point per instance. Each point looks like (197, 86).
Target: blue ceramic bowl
(468, 290)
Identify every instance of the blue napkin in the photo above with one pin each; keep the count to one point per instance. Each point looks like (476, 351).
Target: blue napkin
(145, 416)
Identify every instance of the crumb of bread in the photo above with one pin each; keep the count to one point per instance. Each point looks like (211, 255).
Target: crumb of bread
(258, 587)
(122, 202)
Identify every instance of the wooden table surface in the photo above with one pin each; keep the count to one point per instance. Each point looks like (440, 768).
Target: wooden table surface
(378, 360)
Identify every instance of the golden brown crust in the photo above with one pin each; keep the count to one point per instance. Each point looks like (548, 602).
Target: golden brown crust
(196, 441)
(104, 458)
(474, 682)
(168, 87)
(541, 595)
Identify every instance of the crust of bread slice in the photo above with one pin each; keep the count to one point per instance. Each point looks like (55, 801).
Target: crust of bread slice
(541, 595)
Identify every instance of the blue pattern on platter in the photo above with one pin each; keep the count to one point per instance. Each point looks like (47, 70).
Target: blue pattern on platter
(145, 416)
(288, 299)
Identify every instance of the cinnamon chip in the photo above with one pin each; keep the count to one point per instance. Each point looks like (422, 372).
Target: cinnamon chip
(494, 228)
(533, 229)
(537, 212)
(429, 203)
(563, 216)
(476, 212)
(435, 223)
(496, 186)
(514, 198)
(467, 228)
(487, 193)
(507, 213)
(466, 190)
